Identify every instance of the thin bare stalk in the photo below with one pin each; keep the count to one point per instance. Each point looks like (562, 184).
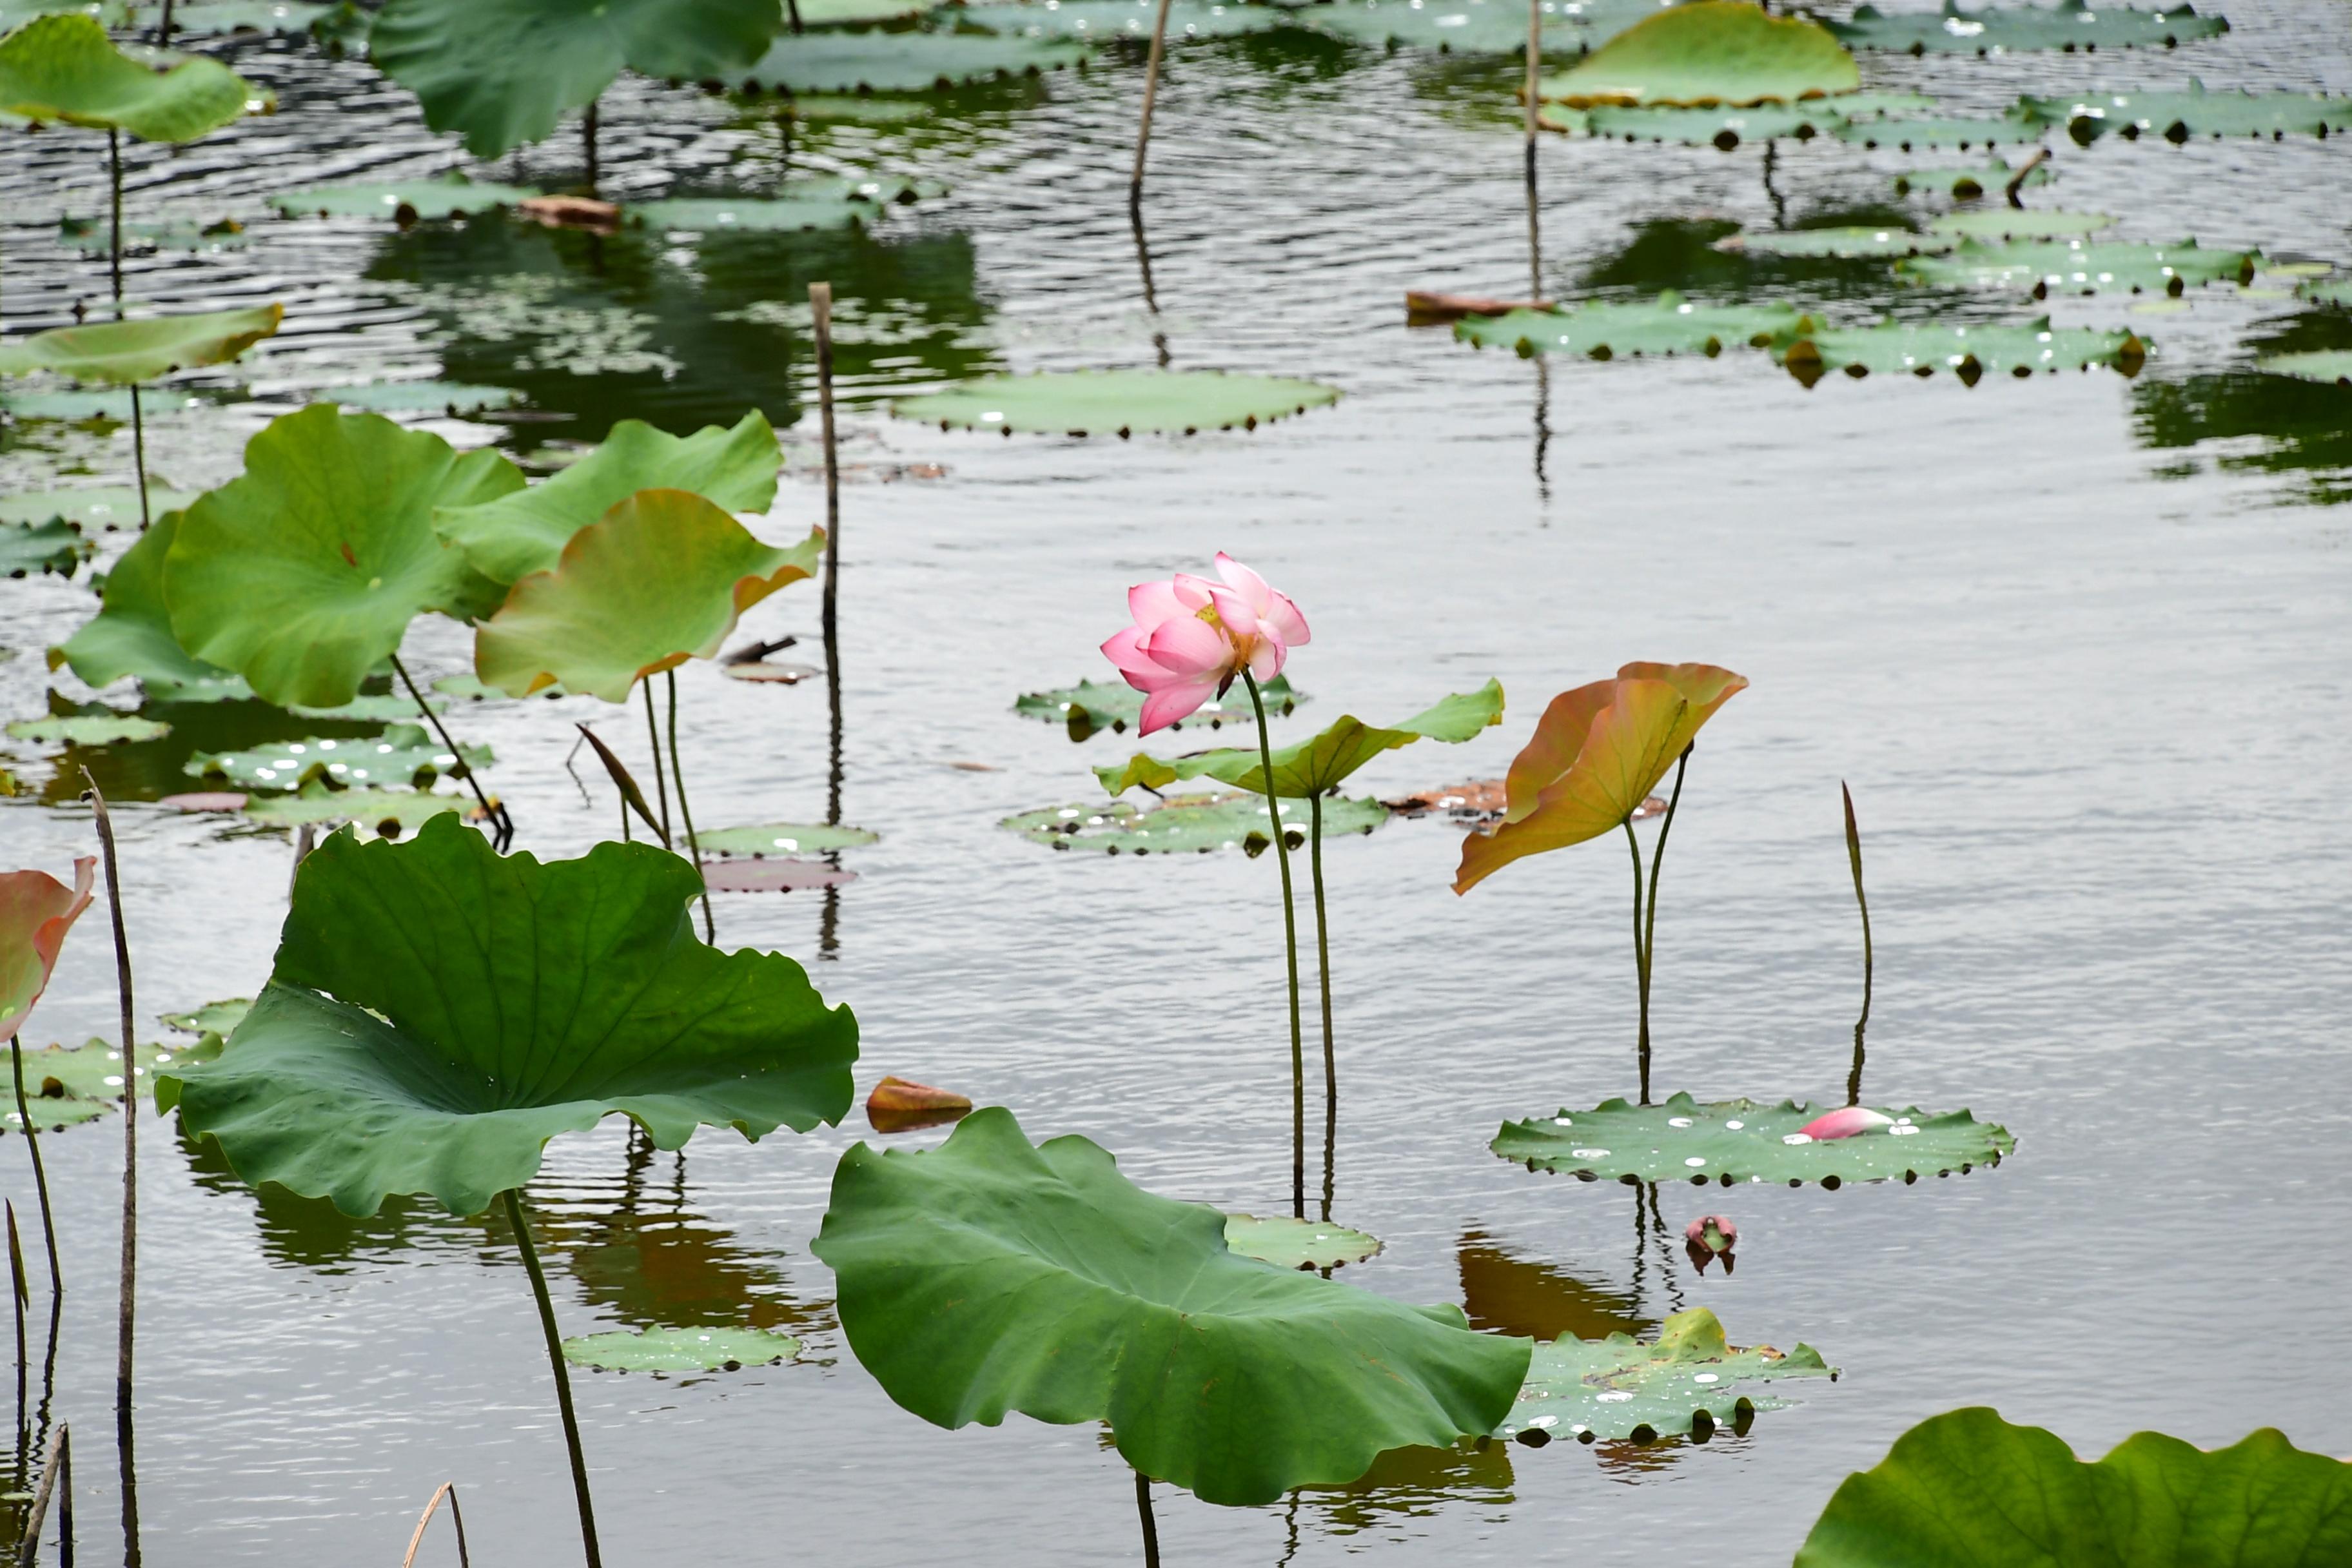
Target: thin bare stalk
(515, 1217)
(821, 311)
(792, 13)
(661, 784)
(126, 1312)
(686, 815)
(457, 1517)
(1853, 857)
(40, 1171)
(1151, 97)
(114, 236)
(163, 33)
(28, 1546)
(1650, 928)
(501, 825)
(1323, 970)
(1142, 1486)
(139, 456)
(20, 1296)
(1290, 952)
(588, 142)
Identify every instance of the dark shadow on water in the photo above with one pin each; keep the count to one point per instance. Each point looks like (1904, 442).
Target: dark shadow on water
(2297, 428)
(1679, 253)
(1505, 1294)
(1406, 1484)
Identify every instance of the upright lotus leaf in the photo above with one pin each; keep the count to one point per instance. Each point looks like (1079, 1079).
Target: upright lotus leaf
(438, 1011)
(1688, 1381)
(1604, 329)
(1596, 754)
(66, 69)
(303, 574)
(123, 353)
(1709, 52)
(2083, 267)
(502, 72)
(1183, 825)
(901, 62)
(988, 1275)
(404, 753)
(1114, 705)
(2069, 25)
(2193, 111)
(402, 201)
(36, 910)
(1127, 402)
(1730, 1142)
(131, 632)
(36, 548)
(1320, 764)
(511, 536)
(1967, 1488)
(658, 580)
(1971, 352)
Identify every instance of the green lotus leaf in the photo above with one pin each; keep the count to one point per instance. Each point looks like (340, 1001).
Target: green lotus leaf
(1928, 131)
(2013, 223)
(369, 708)
(96, 237)
(1745, 1141)
(88, 729)
(510, 536)
(1092, 21)
(1288, 1243)
(1185, 823)
(781, 838)
(386, 812)
(15, 13)
(30, 549)
(91, 1072)
(212, 1019)
(2323, 365)
(402, 201)
(404, 753)
(438, 1011)
(1967, 182)
(1603, 329)
(1114, 705)
(2084, 269)
(680, 1350)
(131, 632)
(1687, 1382)
(988, 1275)
(2325, 291)
(303, 574)
(2178, 116)
(901, 62)
(1449, 27)
(845, 12)
(106, 507)
(1323, 762)
(455, 399)
(1709, 52)
(853, 109)
(658, 580)
(1845, 242)
(1718, 127)
(123, 353)
(1968, 352)
(1130, 402)
(2069, 25)
(65, 67)
(467, 688)
(502, 72)
(827, 208)
(215, 18)
(51, 1113)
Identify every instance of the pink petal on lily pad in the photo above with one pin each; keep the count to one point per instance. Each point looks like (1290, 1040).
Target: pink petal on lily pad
(1846, 1123)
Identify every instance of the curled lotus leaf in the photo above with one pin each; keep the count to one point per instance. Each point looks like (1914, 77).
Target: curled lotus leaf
(1993, 1495)
(1929, 131)
(901, 62)
(2327, 366)
(1971, 352)
(659, 579)
(659, 1349)
(303, 573)
(386, 812)
(781, 838)
(438, 1011)
(36, 549)
(1687, 1384)
(404, 753)
(1322, 763)
(64, 69)
(989, 1276)
(1844, 242)
(2069, 25)
(1288, 1243)
(104, 507)
(2194, 111)
(1093, 705)
(1669, 324)
(1127, 402)
(2015, 224)
(508, 537)
(402, 201)
(123, 353)
(99, 729)
(1967, 182)
(1186, 824)
(1709, 52)
(131, 632)
(2083, 267)
(1094, 21)
(1731, 1141)
(37, 912)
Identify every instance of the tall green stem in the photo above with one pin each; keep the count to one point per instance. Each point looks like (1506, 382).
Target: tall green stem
(40, 1172)
(1150, 1527)
(139, 457)
(685, 816)
(661, 784)
(501, 825)
(1290, 951)
(1853, 857)
(114, 236)
(563, 1379)
(1646, 916)
(127, 1302)
(1640, 960)
(1323, 970)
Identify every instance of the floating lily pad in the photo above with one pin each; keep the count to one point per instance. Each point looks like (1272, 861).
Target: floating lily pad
(387, 813)
(857, 111)
(681, 1350)
(2013, 223)
(1603, 329)
(2178, 116)
(1127, 402)
(1322, 763)
(404, 753)
(2323, 290)
(1927, 131)
(2322, 365)
(2068, 26)
(370, 707)
(804, 204)
(127, 352)
(1723, 128)
(1969, 181)
(780, 839)
(901, 62)
(1093, 21)
(2081, 268)
(88, 729)
(32, 549)
(1182, 824)
(213, 1018)
(1709, 52)
(96, 237)
(102, 507)
(1971, 352)
(402, 201)
(1850, 241)
(777, 876)
(1449, 27)
(1735, 1141)
(91, 1074)
(51, 1113)
(131, 632)
(455, 399)
(1114, 705)
(1288, 1243)
(66, 69)
(1687, 1383)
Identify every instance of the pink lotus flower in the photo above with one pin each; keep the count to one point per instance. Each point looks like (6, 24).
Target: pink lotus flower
(1846, 1123)
(1191, 636)
(36, 912)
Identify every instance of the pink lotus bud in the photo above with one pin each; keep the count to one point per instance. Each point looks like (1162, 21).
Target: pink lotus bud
(1191, 636)
(1845, 1124)
(1709, 1237)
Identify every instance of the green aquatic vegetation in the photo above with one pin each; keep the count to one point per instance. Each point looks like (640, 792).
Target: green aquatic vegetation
(93, 236)
(2018, 224)
(660, 1350)
(1602, 329)
(123, 353)
(100, 729)
(900, 62)
(81, 1083)
(2193, 111)
(1730, 1142)
(1727, 128)
(1290, 1243)
(1844, 242)
(1933, 131)
(1448, 26)
(2324, 290)
(131, 632)
(104, 507)
(452, 398)
(1315, 767)
(1095, 705)
(2084, 268)
(989, 1276)
(2323, 365)
(1971, 352)
(783, 839)
(1709, 52)
(2069, 25)
(1685, 1383)
(1092, 21)
(800, 205)
(402, 201)
(34, 549)
(1967, 182)
(384, 813)
(1127, 402)
(212, 1019)
(1967, 1487)
(1184, 825)
(64, 69)
(403, 753)
(216, 19)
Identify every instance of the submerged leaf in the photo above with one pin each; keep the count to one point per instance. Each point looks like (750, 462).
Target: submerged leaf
(680, 1350)
(1182, 824)
(2322, 365)
(1127, 402)
(2178, 116)
(65, 67)
(1686, 1384)
(1114, 705)
(900, 62)
(1709, 52)
(1735, 1141)
(2084, 269)
(1602, 328)
(780, 839)
(1288, 1243)
(124, 353)
(402, 201)
(1971, 352)
(404, 753)
(1321, 764)
(2069, 25)
(131, 632)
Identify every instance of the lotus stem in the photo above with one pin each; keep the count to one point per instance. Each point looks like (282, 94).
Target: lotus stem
(115, 235)
(793, 12)
(588, 142)
(163, 33)
(1323, 970)
(1533, 118)
(126, 1313)
(1290, 951)
(1641, 961)
(55, 1462)
(40, 1172)
(1650, 930)
(501, 825)
(821, 312)
(1853, 857)
(1150, 96)
(563, 1379)
(1142, 1485)
(686, 817)
(457, 1517)
(661, 783)
(139, 457)
(19, 1294)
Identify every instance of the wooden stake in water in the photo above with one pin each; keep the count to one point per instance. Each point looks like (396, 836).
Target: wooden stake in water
(127, 1308)
(1150, 96)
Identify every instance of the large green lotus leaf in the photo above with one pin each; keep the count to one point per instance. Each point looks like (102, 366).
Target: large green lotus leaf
(1322, 763)
(2178, 116)
(1967, 182)
(402, 201)
(1130, 402)
(1709, 52)
(2084, 269)
(902, 62)
(780, 839)
(88, 729)
(31, 549)
(1185, 823)
(1288, 1243)
(1968, 352)
(1735, 1141)
(2325, 367)
(1114, 705)
(516, 534)
(387, 813)
(131, 632)
(303, 574)
(1603, 329)
(1449, 27)
(680, 1350)
(403, 754)
(107, 507)
(1907, 134)
(658, 580)
(1966, 1490)
(1845, 242)
(1611, 1389)
(502, 72)
(66, 69)
(123, 353)
(438, 1011)
(2069, 25)
(2015, 224)
(988, 1275)
(1092, 21)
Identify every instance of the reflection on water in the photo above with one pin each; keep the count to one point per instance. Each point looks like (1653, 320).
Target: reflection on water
(2278, 424)
(1406, 1484)
(1680, 253)
(149, 770)
(1511, 1295)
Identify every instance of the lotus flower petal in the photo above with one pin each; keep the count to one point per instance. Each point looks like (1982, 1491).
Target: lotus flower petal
(36, 912)
(1846, 1123)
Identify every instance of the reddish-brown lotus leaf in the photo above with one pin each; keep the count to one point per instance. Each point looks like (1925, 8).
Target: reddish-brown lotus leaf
(204, 800)
(1424, 308)
(759, 671)
(36, 912)
(901, 1105)
(772, 875)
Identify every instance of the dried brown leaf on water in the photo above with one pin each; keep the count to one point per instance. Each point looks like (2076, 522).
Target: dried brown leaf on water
(902, 1105)
(1428, 307)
